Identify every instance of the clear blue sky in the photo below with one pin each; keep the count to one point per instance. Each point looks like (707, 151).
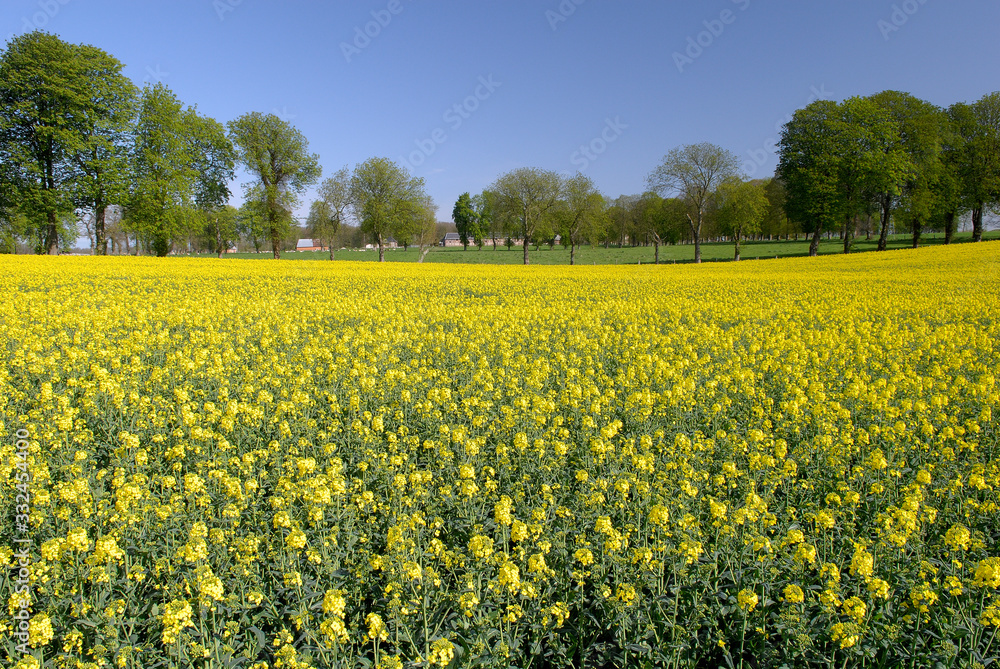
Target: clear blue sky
(559, 76)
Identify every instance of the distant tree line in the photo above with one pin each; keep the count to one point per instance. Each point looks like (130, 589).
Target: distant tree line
(888, 162)
(892, 158)
(82, 147)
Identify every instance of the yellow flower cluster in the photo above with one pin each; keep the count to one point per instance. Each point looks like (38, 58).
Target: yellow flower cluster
(176, 616)
(392, 465)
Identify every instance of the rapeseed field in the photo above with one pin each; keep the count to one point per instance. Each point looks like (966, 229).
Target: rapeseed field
(265, 465)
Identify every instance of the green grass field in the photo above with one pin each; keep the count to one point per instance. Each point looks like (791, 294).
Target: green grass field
(587, 255)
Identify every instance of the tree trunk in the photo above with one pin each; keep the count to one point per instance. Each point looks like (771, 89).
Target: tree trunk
(100, 236)
(949, 226)
(381, 251)
(883, 236)
(737, 257)
(696, 234)
(275, 240)
(572, 253)
(525, 243)
(331, 250)
(814, 245)
(656, 253)
(848, 234)
(52, 235)
(977, 223)
(917, 226)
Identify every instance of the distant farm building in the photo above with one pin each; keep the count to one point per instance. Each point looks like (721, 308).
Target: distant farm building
(309, 245)
(451, 239)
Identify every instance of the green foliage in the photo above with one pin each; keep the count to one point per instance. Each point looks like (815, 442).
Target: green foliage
(809, 166)
(166, 179)
(776, 221)
(47, 110)
(693, 172)
(740, 208)
(665, 219)
(219, 228)
(103, 171)
(975, 154)
(583, 214)
(277, 155)
(467, 221)
(251, 222)
(525, 200)
(387, 201)
(484, 205)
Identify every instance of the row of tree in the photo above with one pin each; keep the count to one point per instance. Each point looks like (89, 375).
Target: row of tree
(533, 205)
(77, 139)
(894, 157)
(890, 158)
(79, 142)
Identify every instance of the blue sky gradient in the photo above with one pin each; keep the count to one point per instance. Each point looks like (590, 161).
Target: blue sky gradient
(461, 92)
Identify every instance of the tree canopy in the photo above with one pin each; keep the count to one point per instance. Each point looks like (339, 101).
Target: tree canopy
(277, 155)
(387, 201)
(694, 172)
(525, 200)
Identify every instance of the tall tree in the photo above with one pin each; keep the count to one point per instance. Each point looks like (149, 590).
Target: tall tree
(977, 160)
(335, 196)
(386, 200)
(251, 222)
(920, 127)
(102, 164)
(46, 108)
(661, 220)
(950, 197)
(624, 219)
(809, 166)
(278, 157)
(583, 213)
(219, 228)
(426, 234)
(874, 163)
(466, 220)
(525, 200)
(694, 172)
(214, 160)
(161, 205)
(740, 208)
(489, 223)
(320, 223)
